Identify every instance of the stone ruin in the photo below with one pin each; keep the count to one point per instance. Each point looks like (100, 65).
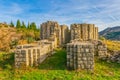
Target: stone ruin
(33, 54)
(81, 42)
(84, 32)
(51, 27)
(80, 55)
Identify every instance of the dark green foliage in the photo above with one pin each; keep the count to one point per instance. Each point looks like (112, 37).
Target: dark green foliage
(30, 39)
(13, 43)
(23, 25)
(28, 26)
(112, 35)
(18, 24)
(7, 60)
(30, 32)
(33, 26)
(11, 24)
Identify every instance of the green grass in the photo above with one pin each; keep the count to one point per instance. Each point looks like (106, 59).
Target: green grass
(54, 68)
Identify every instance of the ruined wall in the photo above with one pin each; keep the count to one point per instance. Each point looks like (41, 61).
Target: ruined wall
(49, 28)
(80, 55)
(65, 37)
(84, 32)
(83, 45)
(61, 31)
(102, 49)
(29, 55)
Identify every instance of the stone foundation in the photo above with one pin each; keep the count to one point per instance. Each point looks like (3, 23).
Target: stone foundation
(29, 54)
(102, 49)
(80, 55)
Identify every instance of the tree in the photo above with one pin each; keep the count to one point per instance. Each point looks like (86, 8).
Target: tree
(11, 24)
(33, 26)
(28, 26)
(18, 25)
(23, 25)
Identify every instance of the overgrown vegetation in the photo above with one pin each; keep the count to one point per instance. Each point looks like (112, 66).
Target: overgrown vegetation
(6, 66)
(54, 68)
(29, 31)
(12, 35)
(112, 45)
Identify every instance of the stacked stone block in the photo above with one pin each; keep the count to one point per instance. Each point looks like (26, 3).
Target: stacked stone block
(21, 58)
(102, 49)
(28, 55)
(49, 28)
(64, 34)
(80, 55)
(75, 31)
(84, 32)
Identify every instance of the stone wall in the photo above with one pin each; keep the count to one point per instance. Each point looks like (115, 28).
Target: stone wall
(65, 34)
(80, 55)
(102, 49)
(50, 27)
(84, 32)
(33, 54)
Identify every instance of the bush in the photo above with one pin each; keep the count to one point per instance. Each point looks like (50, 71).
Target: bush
(30, 40)
(8, 66)
(13, 43)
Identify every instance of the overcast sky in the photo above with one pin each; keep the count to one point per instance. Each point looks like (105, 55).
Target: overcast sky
(103, 13)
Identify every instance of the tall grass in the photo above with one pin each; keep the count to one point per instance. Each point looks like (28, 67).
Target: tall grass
(54, 68)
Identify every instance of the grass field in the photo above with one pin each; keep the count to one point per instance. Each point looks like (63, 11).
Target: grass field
(54, 68)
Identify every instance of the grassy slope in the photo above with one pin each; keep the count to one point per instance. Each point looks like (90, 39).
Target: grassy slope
(54, 68)
(112, 45)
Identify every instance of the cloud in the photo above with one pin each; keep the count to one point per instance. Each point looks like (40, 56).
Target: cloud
(103, 13)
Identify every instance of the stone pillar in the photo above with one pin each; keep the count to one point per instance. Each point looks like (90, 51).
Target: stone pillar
(31, 57)
(21, 58)
(38, 55)
(76, 31)
(64, 34)
(85, 31)
(80, 56)
(72, 32)
(90, 32)
(94, 32)
(27, 58)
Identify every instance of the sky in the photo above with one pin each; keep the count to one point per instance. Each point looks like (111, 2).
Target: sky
(103, 13)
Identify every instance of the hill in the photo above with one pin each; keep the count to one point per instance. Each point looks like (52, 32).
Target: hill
(7, 35)
(112, 33)
(12, 36)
